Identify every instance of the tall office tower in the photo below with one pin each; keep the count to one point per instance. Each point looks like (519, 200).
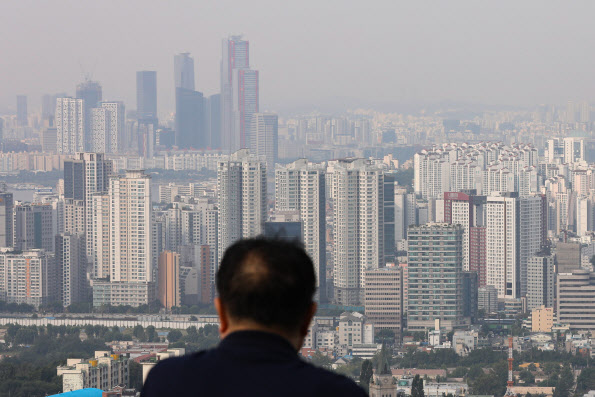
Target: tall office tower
(70, 125)
(146, 140)
(48, 107)
(435, 276)
(100, 239)
(235, 55)
(214, 120)
(389, 218)
(301, 186)
(33, 227)
(86, 174)
(540, 280)
(575, 299)
(465, 210)
(191, 131)
(514, 233)
(383, 300)
(146, 95)
(71, 266)
(22, 117)
(115, 131)
(90, 92)
(357, 193)
(6, 219)
(169, 280)
(264, 138)
(184, 71)
(245, 104)
(27, 277)
(242, 197)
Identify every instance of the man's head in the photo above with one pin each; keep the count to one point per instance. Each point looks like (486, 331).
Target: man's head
(266, 284)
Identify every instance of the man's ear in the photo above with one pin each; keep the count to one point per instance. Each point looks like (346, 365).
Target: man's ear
(308, 319)
(223, 316)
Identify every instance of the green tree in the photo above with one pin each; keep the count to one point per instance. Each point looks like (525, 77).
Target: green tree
(585, 381)
(320, 360)
(139, 333)
(527, 377)
(174, 335)
(366, 373)
(193, 318)
(417, 387)
(135, 375)
(151, 334)
(565, 382)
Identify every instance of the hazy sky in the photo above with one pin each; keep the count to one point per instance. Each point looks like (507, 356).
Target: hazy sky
(309, 52)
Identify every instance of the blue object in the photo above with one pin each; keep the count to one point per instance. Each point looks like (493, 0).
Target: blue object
(81, 393)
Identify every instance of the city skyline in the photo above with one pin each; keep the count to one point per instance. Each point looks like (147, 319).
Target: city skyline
(412, 53)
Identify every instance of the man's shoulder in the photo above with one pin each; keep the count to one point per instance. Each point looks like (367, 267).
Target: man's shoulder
(333, 382)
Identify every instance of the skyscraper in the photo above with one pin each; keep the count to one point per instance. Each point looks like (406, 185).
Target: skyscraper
(117, 126)
(169, 279)
(22, 117)
(235, 55)
(434, 260)
(100, 130)
(6, 219)
(383, 300)
(91, 93)
(264, 138)
(33, 227)
(191, 131)
(214, 120)
(71, 266)
(301, 186)
(146, 95)
(184, 71)
(242, 197)
(540, 280)
(245, 104)
(357, 193)
(70, 125)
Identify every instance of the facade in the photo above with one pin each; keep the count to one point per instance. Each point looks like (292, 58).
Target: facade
(245, 104)
(191, 126)
(575, 304)
(169, 280)
(6, 219)
(357, 194)
(33, 227)
(90, 93)
(542, 319)
(242, 195)
(301, 186)
(112, 137)
(70, 125)
(71, 263)
(105, 371)
(27, 277)
(184, 71)
(213, 111)
(264, 138)
(146, 95)
(435, 276)
(540, 281)
(383, 298)
(118, 293)
(487, 299)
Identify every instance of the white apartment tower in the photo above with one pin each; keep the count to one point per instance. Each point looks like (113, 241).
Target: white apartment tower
(358, 198)
(70, 125)
(264, 137)
(301, 186)
(242, 199)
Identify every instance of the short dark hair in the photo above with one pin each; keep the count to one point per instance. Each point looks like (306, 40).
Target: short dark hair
(269, 281)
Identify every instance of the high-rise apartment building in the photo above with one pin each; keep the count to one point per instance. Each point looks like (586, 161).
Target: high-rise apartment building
(100, 237)
(235, 55)
(383, 298)
(540, 280)
(146, 95)
(169, 279)
(242, 197)
(264, 138)
(91, 94)
(435, 276)
(301, 186)
(100, 130)
(514, 233)
(109, 136)
(33, 227)
(70, 125)
(575, 303)
(71, 263)
(184, 71)
(357, 194)
(22, 116)
(27, 276)
(6, 219)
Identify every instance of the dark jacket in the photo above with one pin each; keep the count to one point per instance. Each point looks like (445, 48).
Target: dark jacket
(246, 363)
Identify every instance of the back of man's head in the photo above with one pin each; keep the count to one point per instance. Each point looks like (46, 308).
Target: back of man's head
(267, 281)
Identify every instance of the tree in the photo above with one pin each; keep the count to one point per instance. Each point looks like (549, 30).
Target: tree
(320, 360)
(151, 334)
(174, 335)
(417, 387)
(527, 377)
(193, 318)
(135, 375)
(585, 381)
(366, 373)
(139, 333)
(565, 382)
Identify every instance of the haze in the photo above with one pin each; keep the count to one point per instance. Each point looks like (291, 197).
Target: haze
(310, 53)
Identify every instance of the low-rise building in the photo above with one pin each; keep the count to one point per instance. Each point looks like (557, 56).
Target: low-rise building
(464, 342)
(104, 371)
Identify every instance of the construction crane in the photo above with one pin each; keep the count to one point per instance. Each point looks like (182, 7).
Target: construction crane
(510, 383)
